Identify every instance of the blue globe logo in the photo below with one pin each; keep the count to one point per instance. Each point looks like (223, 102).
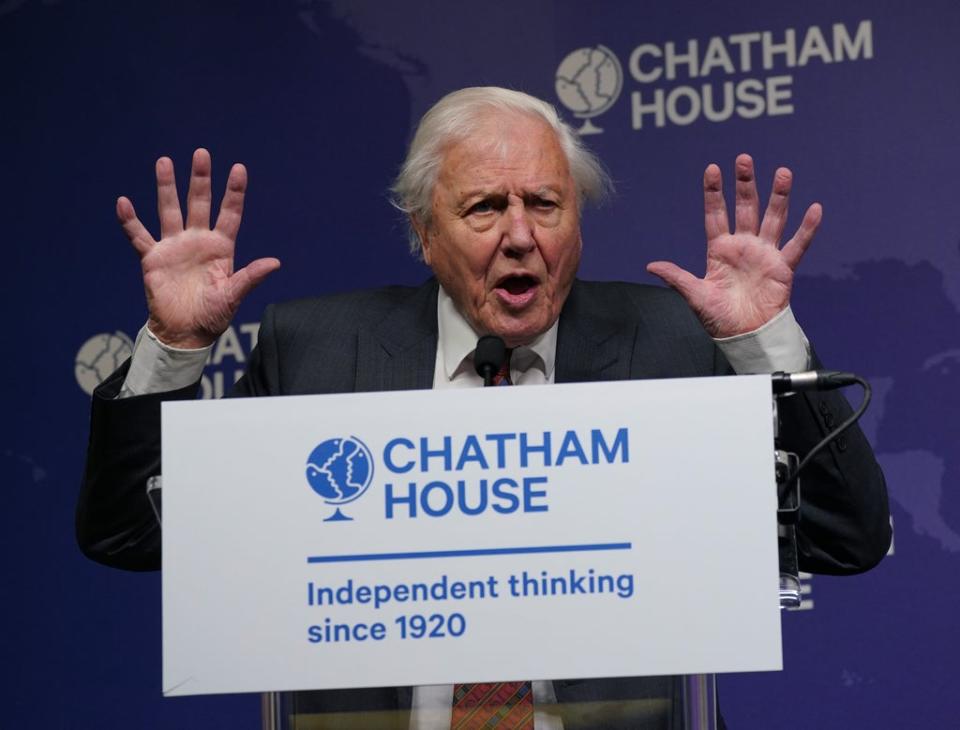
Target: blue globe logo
(340, 470)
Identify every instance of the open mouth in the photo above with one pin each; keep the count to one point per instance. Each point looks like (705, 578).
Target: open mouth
(517, 290)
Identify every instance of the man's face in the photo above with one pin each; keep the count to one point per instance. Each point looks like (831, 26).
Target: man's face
(505, 236)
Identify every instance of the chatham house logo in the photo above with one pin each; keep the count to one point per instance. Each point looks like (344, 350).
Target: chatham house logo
(340, 470)
(589, 81)
(98, 357)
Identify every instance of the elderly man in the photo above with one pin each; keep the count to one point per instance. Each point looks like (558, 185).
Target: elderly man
(493, 186)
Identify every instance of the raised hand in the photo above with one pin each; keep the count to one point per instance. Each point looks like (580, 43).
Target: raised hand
(192, 290)
(749, 276)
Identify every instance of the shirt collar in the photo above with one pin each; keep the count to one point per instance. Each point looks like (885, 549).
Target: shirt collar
(457, 341)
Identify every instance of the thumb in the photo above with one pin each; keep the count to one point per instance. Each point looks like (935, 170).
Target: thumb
(680, 279)
(242, 282)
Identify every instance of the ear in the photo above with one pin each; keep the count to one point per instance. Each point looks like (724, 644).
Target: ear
(421, 230)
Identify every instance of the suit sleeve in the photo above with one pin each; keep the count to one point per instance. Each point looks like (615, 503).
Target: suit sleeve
(844, 514)
(845, 518)
(114, 521)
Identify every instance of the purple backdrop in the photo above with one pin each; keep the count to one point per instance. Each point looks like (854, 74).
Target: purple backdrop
(317, 98)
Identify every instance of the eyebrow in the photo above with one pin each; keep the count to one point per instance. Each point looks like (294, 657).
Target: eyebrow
(544, 190)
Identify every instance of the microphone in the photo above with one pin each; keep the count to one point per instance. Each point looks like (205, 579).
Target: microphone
(490, 354)
(811, 380)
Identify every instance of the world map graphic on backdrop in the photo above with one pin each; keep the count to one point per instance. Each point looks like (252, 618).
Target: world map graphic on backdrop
(914, 384)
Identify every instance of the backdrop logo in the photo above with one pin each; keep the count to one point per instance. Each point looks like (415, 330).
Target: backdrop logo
(340, 470)
(715, 79)
(98, 357)
(588, 83)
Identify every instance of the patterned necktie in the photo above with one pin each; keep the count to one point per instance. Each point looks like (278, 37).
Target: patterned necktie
(502, 376)
(487, 705)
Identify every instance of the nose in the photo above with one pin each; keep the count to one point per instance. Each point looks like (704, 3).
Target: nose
(517, 238)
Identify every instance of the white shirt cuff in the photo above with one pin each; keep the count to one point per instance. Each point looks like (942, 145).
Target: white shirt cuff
(778, 345)
(158, 368)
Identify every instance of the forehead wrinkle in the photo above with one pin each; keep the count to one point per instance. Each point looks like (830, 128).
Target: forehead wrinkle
(523, 179)
(482, 164)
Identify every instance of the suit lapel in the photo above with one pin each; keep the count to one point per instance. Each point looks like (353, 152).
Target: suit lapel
(590, 346)
(401, 353)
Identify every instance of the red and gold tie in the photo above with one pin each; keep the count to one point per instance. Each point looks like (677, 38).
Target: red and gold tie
(502, 376)
(502, 705)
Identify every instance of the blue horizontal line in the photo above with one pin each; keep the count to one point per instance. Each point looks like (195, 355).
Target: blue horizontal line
(470, 553)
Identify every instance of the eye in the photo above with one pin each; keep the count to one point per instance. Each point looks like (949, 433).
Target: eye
(484, 206)
(490, 204)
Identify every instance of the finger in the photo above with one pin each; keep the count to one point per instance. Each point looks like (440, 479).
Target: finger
(198, 197)
(714, 206)
(243, 281)
(747, 202)
(775, 217)
(231, 209)
(680, 279)
(168, 205)
(797, 246)
(135, 230)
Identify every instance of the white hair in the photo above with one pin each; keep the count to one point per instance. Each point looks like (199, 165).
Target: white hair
(457, 116)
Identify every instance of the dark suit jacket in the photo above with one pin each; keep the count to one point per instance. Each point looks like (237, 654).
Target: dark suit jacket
(386, 339)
